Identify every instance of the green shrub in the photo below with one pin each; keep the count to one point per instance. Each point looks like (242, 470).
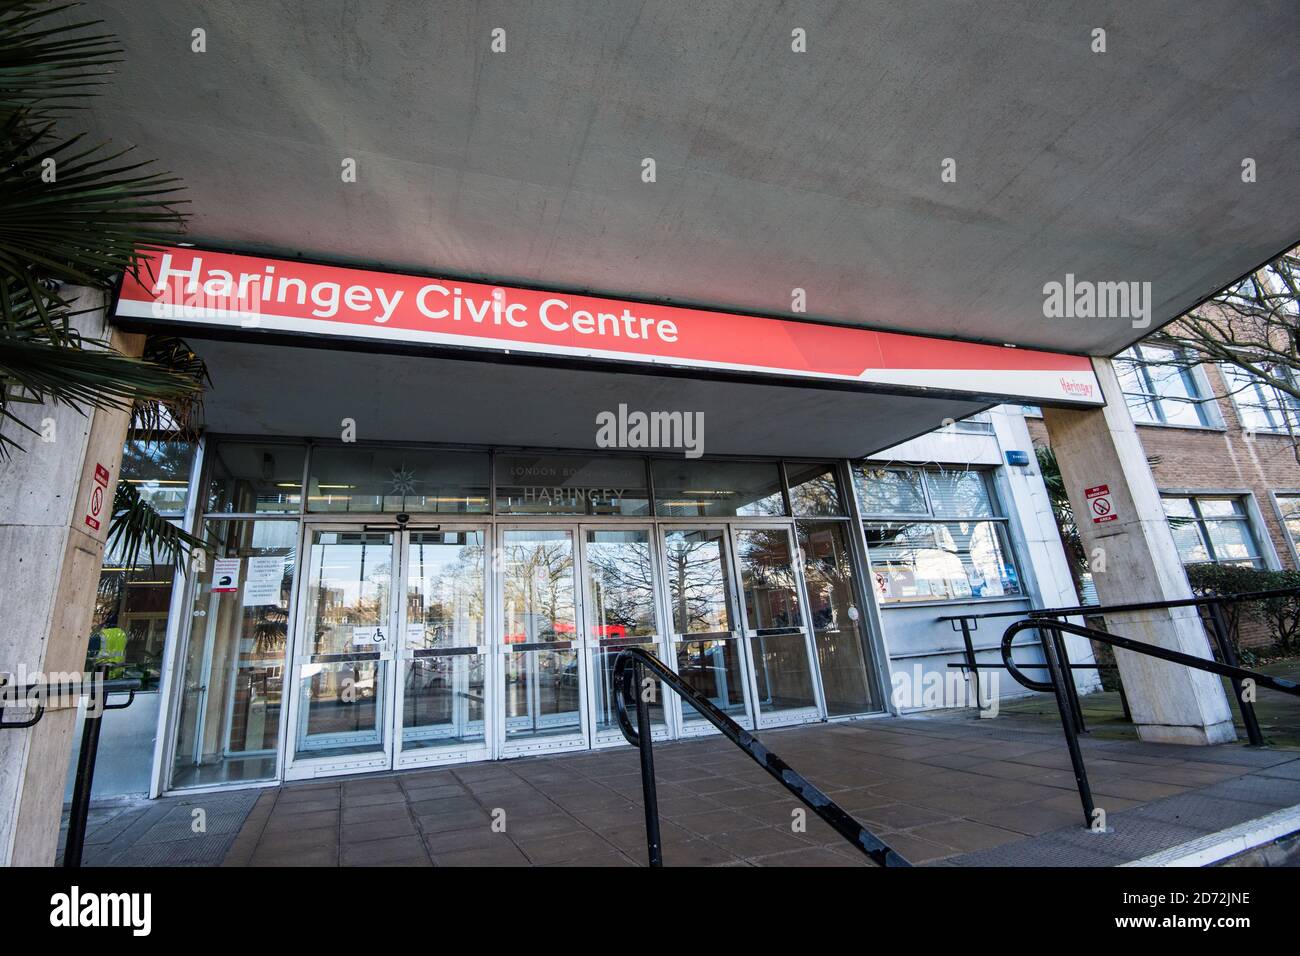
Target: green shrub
(1281, 615)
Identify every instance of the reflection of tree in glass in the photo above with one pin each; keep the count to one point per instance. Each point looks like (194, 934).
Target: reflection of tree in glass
(539, 585)
(827, 573)
(622, 583)
(697, 582)
(451, 591)
(767, 577)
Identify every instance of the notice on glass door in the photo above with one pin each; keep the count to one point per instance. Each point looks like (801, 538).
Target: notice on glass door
(225, 575)
(264, 578)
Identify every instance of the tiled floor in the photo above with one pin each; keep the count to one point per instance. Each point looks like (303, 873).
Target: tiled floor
(953, 791)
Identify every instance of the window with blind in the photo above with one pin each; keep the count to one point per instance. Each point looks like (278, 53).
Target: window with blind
(1161, 387)
(1262, 407)
(956, 548)
(1212, 529)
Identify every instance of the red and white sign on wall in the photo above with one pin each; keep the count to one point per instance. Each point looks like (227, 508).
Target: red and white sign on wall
(199, 287)
(1100, 505)
(96, 502)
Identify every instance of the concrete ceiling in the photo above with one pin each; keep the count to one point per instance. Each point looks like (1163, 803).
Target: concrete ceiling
(307, 392)
(775, 170)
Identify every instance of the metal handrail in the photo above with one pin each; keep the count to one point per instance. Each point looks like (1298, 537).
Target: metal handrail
(629, 674)
(1098, 610)
(1058, 681)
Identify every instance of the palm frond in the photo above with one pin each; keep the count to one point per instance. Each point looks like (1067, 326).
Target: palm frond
(40, 363)
(45, 66)
(138, 528)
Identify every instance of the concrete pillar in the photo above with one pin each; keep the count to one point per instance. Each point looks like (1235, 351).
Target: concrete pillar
(1099, 446)
(50, 557)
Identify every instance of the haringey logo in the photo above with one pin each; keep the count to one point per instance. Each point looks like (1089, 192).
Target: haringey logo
(1072, 387)
(74, 909)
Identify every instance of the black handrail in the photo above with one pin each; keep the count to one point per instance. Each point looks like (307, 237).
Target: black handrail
(629, 676)
(1059, 682)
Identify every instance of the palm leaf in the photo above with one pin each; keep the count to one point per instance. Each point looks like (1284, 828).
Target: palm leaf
(46, 66)
(138, 528)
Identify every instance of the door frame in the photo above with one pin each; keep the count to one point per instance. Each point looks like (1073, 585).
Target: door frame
(753, 718)
(435, 756)
(307, 768)
(580, 740)
(599, 740)
(803, 715)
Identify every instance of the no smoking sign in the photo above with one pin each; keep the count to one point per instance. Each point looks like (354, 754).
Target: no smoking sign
(95, 501)
(1099, 504)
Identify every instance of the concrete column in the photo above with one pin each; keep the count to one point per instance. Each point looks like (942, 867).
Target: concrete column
(50, 558)
(1099, 446)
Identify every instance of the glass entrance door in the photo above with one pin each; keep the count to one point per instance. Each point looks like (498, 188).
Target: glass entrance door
(344, 652)
(740, 630)
(442, 660)
(544, 679)
(621, 610)
(702, 607)
(775, 625)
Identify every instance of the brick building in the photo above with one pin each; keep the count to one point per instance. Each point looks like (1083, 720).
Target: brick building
(1223, 450)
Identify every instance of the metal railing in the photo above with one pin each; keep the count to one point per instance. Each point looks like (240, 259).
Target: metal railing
(32, 697)
(1061, 686)
(630, 669)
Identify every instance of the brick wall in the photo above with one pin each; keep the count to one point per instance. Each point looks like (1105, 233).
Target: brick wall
(1217, 460)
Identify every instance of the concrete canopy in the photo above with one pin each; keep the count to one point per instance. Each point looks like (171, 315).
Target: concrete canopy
(289, 391)
(776, 170)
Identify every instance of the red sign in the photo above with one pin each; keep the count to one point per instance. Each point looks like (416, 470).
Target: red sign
(95, 505)
(209, 288)
(1099, 504)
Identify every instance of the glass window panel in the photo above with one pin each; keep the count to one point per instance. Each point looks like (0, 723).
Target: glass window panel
(571, 484)
(782, 674)
(443, 701)
(606, 691)
(686, 488)
(1187, 539)
(251, 478)
(444, 590)
(836, 614)
(349, 590)
(697, 581)
(1231, 540)
(233, 671)
(129, 626)
(537, 570)
(159, 472)
(1178, 507)
(927, 561)
(1143, 409)
(620, 584)
(1220, 507)
(767, 579)
(959, 494)
(890, 491)
(346, 626)
(713, 669)
(1290, 508)
(543, 694)
(374, 479)
(814, 492)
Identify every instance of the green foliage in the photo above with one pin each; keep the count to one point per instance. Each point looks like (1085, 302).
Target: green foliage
(77, 214)
(1281, 614)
